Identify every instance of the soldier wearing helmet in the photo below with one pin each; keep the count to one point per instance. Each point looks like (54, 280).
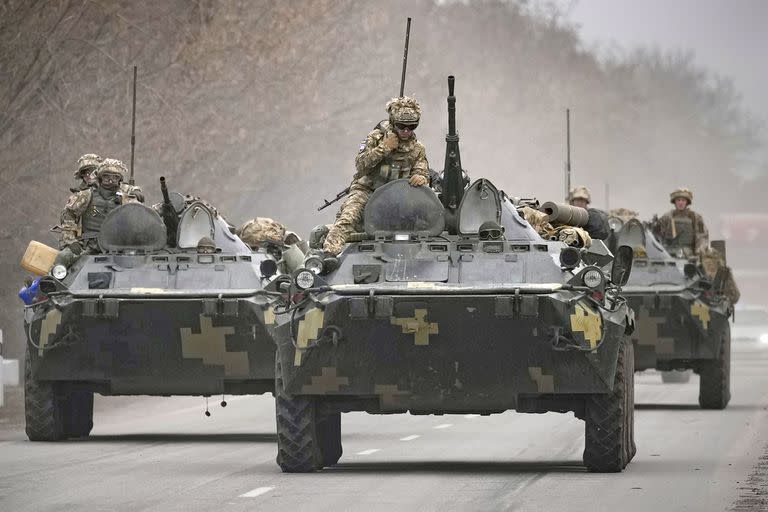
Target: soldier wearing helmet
(84, 175)
(682, 231)
(597, 226)
(85, 211)
(390, 152)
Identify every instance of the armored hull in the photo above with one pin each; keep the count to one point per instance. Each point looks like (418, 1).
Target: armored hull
(142, 318)
(418, 319)
(681, 323)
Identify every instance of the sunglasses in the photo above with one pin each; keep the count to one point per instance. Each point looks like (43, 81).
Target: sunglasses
(409, 127)
(491, 234)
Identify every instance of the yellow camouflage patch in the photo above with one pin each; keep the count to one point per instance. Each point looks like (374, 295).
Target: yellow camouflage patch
(418, 326)
(211, 346)
(327, 382)
(389, 395)
(269, 316)
(701, 311)
(588, 322)
(544, 383)
(48, 327)
(647, 332)
(309, 328)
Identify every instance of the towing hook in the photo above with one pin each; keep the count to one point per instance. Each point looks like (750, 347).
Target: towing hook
(330, 334)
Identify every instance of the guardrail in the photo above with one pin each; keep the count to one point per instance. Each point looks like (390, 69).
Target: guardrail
(9, 372)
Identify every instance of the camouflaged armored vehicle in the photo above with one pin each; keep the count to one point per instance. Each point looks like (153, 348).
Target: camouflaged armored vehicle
(453, 305)
(151, 314)
(681, 316)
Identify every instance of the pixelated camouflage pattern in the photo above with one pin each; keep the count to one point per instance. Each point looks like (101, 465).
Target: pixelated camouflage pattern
(88, 160)
(403, 110)
(579, 192)
(261, 229)
(712, 261)
(681, 192)
(112, 165)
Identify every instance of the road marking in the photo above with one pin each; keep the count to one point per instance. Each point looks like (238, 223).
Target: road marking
(369, 451)
(444, 425)
(410, 438)
(471, 416)
(256, 492)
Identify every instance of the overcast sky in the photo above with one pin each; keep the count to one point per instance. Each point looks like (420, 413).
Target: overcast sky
(727, 36)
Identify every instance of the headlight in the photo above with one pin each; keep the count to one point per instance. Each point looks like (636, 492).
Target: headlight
(314, 264)
(305, 279)
(570, 257)
(59, 272)
(615, 223)
(592, 278)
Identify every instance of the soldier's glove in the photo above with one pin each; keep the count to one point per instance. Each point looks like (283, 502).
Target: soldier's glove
(390, 141)
(417, 180)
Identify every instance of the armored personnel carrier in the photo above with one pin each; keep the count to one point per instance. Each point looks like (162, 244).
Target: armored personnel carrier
(171, 305)
(681, 316)
(454, 305)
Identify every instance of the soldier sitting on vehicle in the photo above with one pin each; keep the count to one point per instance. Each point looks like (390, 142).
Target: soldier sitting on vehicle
(570, 235)
(390, 152)
(682, 231)
(85, 211)
(285, 246)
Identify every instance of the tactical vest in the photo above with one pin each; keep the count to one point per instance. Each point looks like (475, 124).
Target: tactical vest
(98, 208)
(395, 166)
(683, 233)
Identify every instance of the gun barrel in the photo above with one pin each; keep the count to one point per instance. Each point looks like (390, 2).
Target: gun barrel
(451, 107)
(164, 190)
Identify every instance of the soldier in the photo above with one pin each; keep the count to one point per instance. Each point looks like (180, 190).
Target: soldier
(570, 235)
(682, 231)
(86, 210)
(86, 165)
(389, 152)
(597, 226)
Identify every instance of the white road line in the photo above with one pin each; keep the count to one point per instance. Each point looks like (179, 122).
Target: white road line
(410, 438)
(256, 492)
(444, 425)
(369, 451)
(471, 416)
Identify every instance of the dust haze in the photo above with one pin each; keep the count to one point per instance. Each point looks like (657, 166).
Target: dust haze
(259, 107)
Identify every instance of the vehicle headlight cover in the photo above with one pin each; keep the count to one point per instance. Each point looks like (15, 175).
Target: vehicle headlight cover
(314, 264)
(59, 272)
(592, 278)
(305, 279)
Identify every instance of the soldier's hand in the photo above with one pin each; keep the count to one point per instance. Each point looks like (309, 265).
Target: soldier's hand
(390, 141)
(417, 180)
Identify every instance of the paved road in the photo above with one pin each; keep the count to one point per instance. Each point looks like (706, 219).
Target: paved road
(163, 454)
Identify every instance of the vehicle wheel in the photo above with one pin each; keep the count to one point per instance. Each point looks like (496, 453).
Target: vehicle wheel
(609, 424)
(43, 407)
(329, 433)
(676, 377)
(78, 414)
(715, 377)
(298, 443)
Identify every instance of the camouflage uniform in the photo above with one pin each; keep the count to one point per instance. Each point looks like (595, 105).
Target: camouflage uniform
(712, 261)
(261, 229)
(597, 225)
(376, 165)
(682, 232)
(569, 235)
(625, 214)
(86, 210)
(86, 165)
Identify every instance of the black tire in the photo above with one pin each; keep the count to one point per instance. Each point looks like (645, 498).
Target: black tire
(43, 407)
(715, 377)
(78, 414)
(298, 443)
(609, 442)
(676, 376)
(329, 431)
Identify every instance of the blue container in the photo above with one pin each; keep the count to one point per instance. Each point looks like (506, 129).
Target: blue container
(28, 293)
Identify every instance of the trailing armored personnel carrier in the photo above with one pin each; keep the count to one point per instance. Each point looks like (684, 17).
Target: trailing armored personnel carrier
(681, 316)
(166, 308)
(454, 305)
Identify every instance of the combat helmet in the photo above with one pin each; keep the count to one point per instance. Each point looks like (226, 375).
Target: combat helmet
(580, 192)
(112, 166)
(87, 161)
(404, 110)
(681, 192)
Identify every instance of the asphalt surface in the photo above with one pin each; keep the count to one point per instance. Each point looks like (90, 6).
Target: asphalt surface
(163, 454)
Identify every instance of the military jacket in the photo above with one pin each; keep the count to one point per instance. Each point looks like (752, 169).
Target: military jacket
(683, 232)
(86, 210)
(377, 165)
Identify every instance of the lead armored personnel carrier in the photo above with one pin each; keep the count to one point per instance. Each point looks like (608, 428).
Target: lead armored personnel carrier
(169, 306)
(453, 305)
(681, 315)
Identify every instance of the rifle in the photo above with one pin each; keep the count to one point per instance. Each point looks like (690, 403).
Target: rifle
(338, 197)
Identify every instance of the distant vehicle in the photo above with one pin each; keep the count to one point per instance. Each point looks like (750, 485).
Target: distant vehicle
(750, 324)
